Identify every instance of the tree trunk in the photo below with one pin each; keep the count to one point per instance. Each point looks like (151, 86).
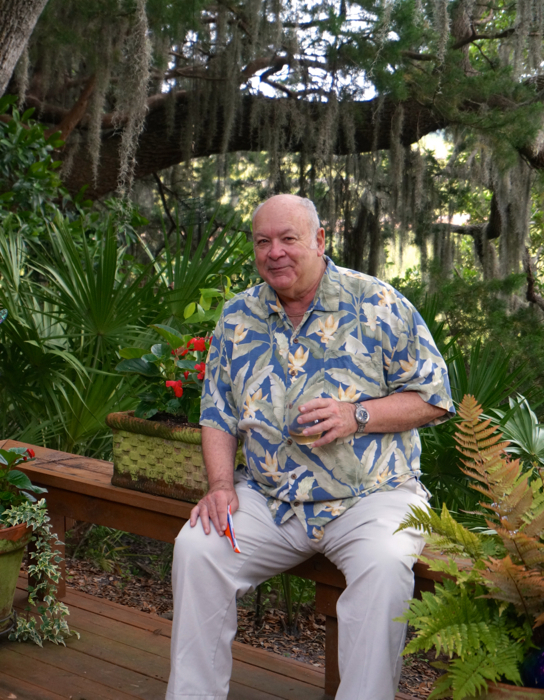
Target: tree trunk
(375, 241)
(17, 20)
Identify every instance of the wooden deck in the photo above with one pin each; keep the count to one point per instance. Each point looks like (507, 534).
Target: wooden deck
(124, 654)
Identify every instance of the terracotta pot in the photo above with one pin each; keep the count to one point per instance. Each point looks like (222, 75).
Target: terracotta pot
(502, 691)
(13, 541)
(152, 457)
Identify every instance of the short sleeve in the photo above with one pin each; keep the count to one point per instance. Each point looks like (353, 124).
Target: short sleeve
(417, 365)
(218, 408)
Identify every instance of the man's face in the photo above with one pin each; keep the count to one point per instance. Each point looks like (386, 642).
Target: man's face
(287, 254)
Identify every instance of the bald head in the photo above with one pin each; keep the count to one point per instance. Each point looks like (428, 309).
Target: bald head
(293, 200)
(289, 245)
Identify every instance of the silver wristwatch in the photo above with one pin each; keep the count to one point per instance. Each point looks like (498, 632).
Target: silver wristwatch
(362, 417)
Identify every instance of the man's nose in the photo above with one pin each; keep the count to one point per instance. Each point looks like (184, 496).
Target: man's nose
(276, 249)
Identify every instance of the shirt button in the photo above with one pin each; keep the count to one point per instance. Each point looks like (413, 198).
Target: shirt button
(296, 504)
(293, 476)
(295, 340)
(289, 442)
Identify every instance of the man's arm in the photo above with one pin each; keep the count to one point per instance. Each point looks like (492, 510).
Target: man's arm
(390, 414)
(219, 449)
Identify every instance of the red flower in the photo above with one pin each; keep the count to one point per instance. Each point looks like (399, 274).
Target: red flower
(201, 369)
(31, 452)
(186, 374)
(180, 351)
(198, 344)
(177, 387)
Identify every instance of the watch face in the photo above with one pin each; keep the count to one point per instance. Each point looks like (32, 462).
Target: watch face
(362, 417)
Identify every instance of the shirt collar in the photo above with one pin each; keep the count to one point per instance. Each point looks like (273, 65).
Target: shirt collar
(327, 296)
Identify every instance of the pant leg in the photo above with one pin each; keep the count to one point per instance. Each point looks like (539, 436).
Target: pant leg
(377, 565)
(208, 577)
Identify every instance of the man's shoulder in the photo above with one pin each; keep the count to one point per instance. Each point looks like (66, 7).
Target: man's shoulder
(374, 291)
(360, 280)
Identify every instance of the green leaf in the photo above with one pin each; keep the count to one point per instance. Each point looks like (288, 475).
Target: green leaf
(186, 364)
(172, 336)
(189, 310)
(132, 353)
(173, 406)
(139, 366)
(19, 480)
(145, 411)
(161, 350)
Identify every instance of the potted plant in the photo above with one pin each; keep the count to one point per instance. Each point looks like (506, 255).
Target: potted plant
(24, 519)
(157, 448)
(487, 617)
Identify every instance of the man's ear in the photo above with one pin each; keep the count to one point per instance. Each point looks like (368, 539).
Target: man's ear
(320, 237)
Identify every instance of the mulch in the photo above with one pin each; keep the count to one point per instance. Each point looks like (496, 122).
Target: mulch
(139, 579)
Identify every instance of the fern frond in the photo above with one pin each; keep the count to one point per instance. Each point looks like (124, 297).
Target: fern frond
(471, 676)
(462, 571)
(523, 549)
(442, 687)
(445, 533)
(514, 584)
(455, 621)
(535, 528)
(469, 409)
(539, 620)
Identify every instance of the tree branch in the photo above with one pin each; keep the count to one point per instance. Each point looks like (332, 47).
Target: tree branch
(75, 115)
(475, 37)
(164, 204)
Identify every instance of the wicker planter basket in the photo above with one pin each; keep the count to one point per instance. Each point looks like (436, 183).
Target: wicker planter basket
(150, 456)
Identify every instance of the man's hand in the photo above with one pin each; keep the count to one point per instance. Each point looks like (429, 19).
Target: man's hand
(214, 507)
(337, 418)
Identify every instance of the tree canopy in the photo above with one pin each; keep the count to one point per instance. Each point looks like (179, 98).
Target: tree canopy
(348, 86)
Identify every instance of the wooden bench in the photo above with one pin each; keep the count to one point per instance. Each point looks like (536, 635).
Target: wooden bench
(79, 488)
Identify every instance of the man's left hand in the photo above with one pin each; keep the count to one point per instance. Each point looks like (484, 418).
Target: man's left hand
(337, 418)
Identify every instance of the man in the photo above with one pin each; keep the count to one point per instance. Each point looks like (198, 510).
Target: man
(364, 360)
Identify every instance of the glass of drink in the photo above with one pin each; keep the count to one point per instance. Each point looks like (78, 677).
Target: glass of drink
(294, 427)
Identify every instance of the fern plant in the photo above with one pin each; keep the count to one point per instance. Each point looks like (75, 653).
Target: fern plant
(489, 611)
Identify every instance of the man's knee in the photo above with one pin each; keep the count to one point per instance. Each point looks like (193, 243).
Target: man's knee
(193, 547)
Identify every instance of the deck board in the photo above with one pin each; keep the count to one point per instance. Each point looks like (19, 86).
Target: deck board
(123, 654)
(13, 688)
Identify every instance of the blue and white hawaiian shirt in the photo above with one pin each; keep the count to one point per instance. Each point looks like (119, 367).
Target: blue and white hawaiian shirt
(360, 339)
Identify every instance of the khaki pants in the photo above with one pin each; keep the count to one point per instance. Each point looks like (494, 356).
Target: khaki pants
(208, 577)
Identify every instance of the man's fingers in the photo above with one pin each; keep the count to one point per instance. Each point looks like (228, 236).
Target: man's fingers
(194, 515)
(328, 437)
(214, 507)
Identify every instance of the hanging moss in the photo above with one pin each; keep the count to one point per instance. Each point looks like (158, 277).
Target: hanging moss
(131, 107)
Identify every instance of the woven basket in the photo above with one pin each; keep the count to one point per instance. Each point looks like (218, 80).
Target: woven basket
(151, 457)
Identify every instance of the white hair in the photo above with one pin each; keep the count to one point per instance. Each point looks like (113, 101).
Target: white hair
(311, 214)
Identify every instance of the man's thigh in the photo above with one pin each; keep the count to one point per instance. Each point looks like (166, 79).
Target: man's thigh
(265, 548)
(364, 538)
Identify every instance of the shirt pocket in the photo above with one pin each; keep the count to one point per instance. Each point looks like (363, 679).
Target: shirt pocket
(356, 375)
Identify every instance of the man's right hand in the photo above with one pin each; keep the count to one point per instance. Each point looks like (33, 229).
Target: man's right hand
(214, 507)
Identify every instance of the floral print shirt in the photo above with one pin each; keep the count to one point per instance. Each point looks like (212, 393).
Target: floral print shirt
(360, 339)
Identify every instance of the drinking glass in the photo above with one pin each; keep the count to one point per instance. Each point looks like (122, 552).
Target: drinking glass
(294, 427)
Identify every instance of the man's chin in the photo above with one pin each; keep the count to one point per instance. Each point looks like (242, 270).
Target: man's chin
(280, 279)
